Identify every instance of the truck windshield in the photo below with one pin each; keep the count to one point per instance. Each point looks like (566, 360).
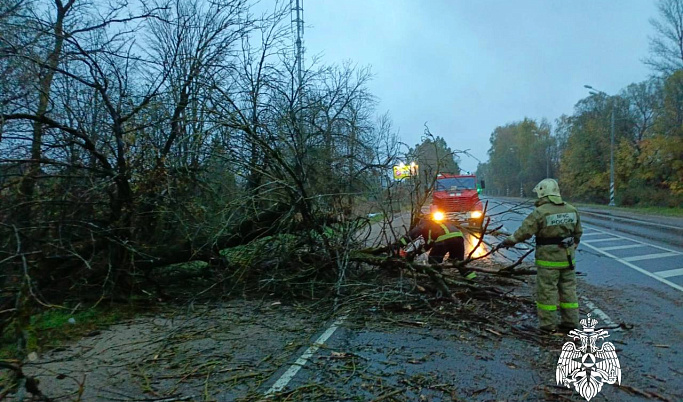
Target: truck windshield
(456, 183)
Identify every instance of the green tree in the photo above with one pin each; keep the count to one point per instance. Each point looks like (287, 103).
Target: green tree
(520, 156)
(434, 156)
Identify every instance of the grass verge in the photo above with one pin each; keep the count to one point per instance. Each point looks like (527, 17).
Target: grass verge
(53, 328)
(656, 211)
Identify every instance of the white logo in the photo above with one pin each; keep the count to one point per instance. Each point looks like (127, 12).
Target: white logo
(560, 219)
(588, 367)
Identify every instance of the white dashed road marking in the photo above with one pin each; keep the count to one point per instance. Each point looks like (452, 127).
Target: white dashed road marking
(650, 256)
(602, 232)
(601, 240)
(301, 361)
(670, 273)
(635, 267)
(626, 247)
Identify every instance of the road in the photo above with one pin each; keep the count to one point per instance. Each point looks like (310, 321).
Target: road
(631, 283)
(633, 279)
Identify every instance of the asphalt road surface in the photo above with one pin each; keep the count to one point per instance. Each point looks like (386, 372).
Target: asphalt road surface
(630, 280)
(632, 271)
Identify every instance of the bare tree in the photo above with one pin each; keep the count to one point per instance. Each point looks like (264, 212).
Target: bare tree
(666, 47)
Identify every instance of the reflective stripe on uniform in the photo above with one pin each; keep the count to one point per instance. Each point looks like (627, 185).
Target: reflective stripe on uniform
(404, 241)
(447, 234)
(471, 275)
(547, 307)
(569, 305)
(554, 264)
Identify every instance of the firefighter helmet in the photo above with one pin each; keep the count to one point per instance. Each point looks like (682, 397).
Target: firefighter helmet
(548, 188)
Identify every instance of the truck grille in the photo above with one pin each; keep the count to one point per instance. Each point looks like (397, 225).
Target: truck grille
(454, 204)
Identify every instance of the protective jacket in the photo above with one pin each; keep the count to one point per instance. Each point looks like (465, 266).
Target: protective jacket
(551, 223)
(439, 236)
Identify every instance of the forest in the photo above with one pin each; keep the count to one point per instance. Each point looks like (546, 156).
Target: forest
(647, 119)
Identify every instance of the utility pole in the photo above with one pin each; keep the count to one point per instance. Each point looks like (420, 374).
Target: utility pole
(611, 158)
(298, 25)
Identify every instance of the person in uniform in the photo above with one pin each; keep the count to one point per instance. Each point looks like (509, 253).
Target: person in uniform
(557, 227)
(440, 238)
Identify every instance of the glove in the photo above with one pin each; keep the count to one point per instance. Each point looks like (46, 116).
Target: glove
(402, 253)
(508, 242)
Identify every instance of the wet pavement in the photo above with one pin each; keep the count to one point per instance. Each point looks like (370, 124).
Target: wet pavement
(636, 281)
(392, 345)
(643, 315)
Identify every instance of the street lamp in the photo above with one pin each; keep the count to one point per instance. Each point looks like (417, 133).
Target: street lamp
(611, 147)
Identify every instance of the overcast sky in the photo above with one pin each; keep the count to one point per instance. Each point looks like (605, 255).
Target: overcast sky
(467, 66)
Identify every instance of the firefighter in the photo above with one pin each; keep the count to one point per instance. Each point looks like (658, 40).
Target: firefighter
(557, 227)
(440, 238)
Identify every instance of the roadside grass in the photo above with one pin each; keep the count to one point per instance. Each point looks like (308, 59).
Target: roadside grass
(378, 217)
(658, 211)
(53, 328)
(655, 211)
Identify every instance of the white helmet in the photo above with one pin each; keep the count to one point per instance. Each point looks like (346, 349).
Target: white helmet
(548, 187)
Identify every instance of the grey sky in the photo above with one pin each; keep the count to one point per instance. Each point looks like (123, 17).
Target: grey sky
(467, 66)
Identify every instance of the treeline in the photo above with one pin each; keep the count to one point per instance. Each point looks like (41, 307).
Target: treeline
(648, 137)
(137, 135)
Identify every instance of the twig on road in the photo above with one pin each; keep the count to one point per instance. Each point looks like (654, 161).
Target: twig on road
(389, 395)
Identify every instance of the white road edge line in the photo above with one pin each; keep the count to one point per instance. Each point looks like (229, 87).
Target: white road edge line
(288, 375)
(605, 318)
(642, 271)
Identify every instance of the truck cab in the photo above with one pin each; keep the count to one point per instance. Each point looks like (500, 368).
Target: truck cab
(457, 198)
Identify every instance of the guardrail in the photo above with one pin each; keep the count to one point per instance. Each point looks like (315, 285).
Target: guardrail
(656, 231)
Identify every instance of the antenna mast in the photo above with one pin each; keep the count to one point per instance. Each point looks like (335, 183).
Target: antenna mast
(298, 24)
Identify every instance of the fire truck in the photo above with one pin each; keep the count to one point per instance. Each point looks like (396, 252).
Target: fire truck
(456, 199)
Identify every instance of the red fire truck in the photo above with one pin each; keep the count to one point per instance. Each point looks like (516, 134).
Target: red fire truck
(456, 198)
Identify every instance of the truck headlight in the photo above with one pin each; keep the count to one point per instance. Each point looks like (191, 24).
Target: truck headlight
(438, 216)
(476, 214)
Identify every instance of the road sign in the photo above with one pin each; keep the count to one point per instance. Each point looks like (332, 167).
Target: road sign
(402, 171)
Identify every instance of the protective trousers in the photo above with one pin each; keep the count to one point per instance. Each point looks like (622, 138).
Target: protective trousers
(455, 247)
(548, 283)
